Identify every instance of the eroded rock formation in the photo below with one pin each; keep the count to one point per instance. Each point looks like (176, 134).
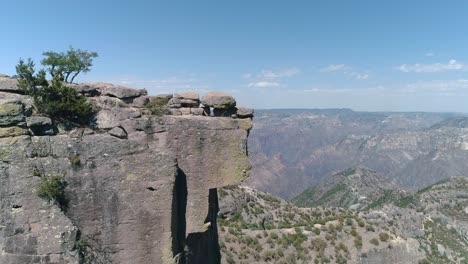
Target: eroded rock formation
(141, 188)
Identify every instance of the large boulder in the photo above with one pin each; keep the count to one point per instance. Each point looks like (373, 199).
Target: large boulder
(123, 92)
(218, 100)
(118, 132)
(40, 125)
(243, 112)
(188, 99)
(174, 103)
(88, 89)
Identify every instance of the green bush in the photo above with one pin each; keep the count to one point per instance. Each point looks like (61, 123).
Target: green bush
(158, 106)
(75, 160)
(62, 102)
(370, 228)
(52, 188)
(342, 247)
(384, 237)
(374, 241)
(358, 243)
(319, 244)
(316, 231)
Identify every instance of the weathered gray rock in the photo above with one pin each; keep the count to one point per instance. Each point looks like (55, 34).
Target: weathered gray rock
(243, 112)
(185, 111)
(108, 119)
(188, 95)
(11, 112)
(218, 100)
(40, 125)
(118, 132)
(188, 99)
(12, 131)
(9, 85)
(123, 92)
(174, 103)
(141, 200)
(189, 103)
(140, 101)
(37, 121)
(246, 124)
(88, 89)
(197, 111)
(175, 111)
(107, 102)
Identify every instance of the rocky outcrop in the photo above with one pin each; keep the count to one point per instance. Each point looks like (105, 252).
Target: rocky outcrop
(140, 188)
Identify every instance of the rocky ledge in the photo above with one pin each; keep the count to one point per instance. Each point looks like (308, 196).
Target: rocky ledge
(140, 188)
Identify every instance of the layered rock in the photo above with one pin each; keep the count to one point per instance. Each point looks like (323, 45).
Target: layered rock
(141, 188)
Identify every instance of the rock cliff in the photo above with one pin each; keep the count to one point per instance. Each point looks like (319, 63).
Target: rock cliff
(141, 188)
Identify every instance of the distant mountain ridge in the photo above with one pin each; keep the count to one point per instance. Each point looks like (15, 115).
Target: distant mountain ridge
(291, 150)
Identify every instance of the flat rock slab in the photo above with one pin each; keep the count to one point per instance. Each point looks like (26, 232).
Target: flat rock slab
(243, 112)
(118, 132)
(35, 121)
(188, 95)
(123, 92)
(218, 100)
(40, 125)
(9, 85)
(12, 132)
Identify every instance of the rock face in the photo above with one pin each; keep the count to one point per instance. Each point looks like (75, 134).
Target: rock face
(140, 188)
(8, 84)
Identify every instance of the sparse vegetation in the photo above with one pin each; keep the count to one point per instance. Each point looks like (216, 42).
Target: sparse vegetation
(374, 241)
(52, 188)
(384, 237)
(158, 106)
(75, 160)
(326, 235)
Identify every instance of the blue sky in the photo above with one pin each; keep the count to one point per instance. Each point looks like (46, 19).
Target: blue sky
(365, 55)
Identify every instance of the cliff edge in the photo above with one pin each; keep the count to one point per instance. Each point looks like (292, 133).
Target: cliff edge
(141, 188)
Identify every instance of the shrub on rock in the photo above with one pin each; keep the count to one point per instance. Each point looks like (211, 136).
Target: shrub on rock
(158, 106)
(52, 188)
(63, 103)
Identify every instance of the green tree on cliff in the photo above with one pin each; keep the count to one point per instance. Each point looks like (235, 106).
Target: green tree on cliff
(56, 98)
(67, 65)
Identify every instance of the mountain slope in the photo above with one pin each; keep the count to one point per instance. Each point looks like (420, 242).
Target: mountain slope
(428, 226)
(355, 188)
(255, 227)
